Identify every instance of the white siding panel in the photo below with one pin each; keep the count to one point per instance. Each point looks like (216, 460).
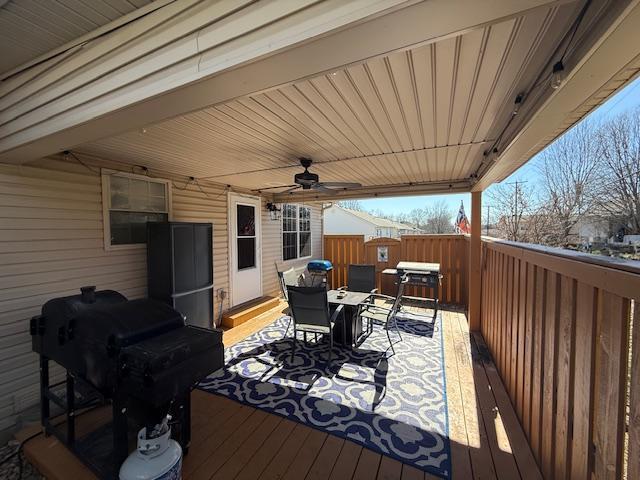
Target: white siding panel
(51, 244)
(207, 203)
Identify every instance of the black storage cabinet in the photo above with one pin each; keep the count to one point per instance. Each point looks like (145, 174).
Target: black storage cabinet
(180, 268)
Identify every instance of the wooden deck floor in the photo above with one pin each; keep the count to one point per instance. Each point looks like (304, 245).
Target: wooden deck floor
(234, 441)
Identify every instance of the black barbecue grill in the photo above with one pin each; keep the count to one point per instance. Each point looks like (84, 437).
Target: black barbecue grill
(137, 355)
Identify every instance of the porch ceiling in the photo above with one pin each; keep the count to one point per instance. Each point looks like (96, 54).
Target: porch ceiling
(419, 116)
(403, 96)
(31, 29)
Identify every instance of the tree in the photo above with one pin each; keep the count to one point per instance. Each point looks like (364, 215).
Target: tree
(437, 218)
(416, 217)
(569, 172)
(351, 205)
(511, 204)
(619, 161)
(401, 217)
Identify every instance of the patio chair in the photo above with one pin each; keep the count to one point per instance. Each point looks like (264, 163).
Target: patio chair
(309, 310)
(361, 278)
(383, 314)
(288, 278)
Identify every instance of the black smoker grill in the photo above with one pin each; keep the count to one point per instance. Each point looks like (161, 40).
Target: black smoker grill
(137, 355)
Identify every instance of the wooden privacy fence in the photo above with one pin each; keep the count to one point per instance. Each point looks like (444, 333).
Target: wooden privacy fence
(558, 328)
(450, 251)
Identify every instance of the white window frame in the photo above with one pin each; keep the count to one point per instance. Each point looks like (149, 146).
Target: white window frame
(106, 206)
(282, 232)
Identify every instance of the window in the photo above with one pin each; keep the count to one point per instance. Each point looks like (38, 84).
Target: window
(296, 231)
(246, 236)
(129, 202)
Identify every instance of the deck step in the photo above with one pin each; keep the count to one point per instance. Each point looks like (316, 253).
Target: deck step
(245, 312)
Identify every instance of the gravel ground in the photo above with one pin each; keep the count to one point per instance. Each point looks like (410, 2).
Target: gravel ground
(11, 469)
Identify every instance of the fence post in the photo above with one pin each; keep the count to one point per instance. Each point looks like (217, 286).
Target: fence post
(475, 253)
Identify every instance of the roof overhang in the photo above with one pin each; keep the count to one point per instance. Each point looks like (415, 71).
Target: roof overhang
(599, 68)
(404, 97)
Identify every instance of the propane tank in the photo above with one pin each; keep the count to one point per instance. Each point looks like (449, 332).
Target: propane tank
(157, 457)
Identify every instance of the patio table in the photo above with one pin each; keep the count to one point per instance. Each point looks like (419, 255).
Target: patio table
(354, 326)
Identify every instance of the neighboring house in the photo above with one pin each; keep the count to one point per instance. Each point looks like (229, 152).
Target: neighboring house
(66, 224)
(588, 229)
(591, 228)
(344, 221)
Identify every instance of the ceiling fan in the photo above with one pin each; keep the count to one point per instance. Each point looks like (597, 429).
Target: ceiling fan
(311, 181)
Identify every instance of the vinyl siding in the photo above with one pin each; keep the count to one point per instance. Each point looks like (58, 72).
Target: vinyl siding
(339, 222)
(51, 244)
(272, 247)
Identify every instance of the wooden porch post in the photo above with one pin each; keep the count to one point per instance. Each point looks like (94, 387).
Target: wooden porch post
(475, 252)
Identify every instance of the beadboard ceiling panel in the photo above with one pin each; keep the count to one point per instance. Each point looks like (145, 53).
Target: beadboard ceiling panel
(417, 116)
(30, 28)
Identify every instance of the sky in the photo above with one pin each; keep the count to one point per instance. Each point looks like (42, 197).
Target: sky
(626, 99)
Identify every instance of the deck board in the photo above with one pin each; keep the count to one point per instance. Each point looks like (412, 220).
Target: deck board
(272, 445)
(235, 441)
(368, 464)
(347, 461)
(280, 463)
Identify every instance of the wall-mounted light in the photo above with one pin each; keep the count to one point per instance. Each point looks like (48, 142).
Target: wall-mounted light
(274, 211)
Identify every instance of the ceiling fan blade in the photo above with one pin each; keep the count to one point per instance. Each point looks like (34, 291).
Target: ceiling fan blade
(274, 188)
(319, 187)
(339, 184)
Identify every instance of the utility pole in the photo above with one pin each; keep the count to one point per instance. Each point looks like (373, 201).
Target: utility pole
(516, 219)
(488, 219)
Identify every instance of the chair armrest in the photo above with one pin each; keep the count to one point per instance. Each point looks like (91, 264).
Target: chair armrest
(338, 311)
(371, 305)
(381, 296)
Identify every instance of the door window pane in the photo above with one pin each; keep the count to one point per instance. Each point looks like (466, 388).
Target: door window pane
(246, 220)
(246, 252)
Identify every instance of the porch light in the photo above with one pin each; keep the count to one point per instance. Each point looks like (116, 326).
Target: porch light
(557, 75)
(517, 103)
(274, 211)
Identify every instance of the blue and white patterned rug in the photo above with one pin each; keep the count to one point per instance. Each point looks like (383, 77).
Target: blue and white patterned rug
(392, 404)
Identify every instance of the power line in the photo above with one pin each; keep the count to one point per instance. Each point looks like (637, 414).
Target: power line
(625, 95)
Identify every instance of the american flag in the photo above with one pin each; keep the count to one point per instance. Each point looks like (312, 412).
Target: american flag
(462, 222)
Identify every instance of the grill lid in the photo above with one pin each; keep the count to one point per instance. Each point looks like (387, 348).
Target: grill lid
(121, 324)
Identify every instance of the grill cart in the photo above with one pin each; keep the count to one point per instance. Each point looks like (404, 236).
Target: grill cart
(137, 356)
(318, 270)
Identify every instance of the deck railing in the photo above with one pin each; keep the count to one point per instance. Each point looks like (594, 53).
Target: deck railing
(559, 327)
(450, 251)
